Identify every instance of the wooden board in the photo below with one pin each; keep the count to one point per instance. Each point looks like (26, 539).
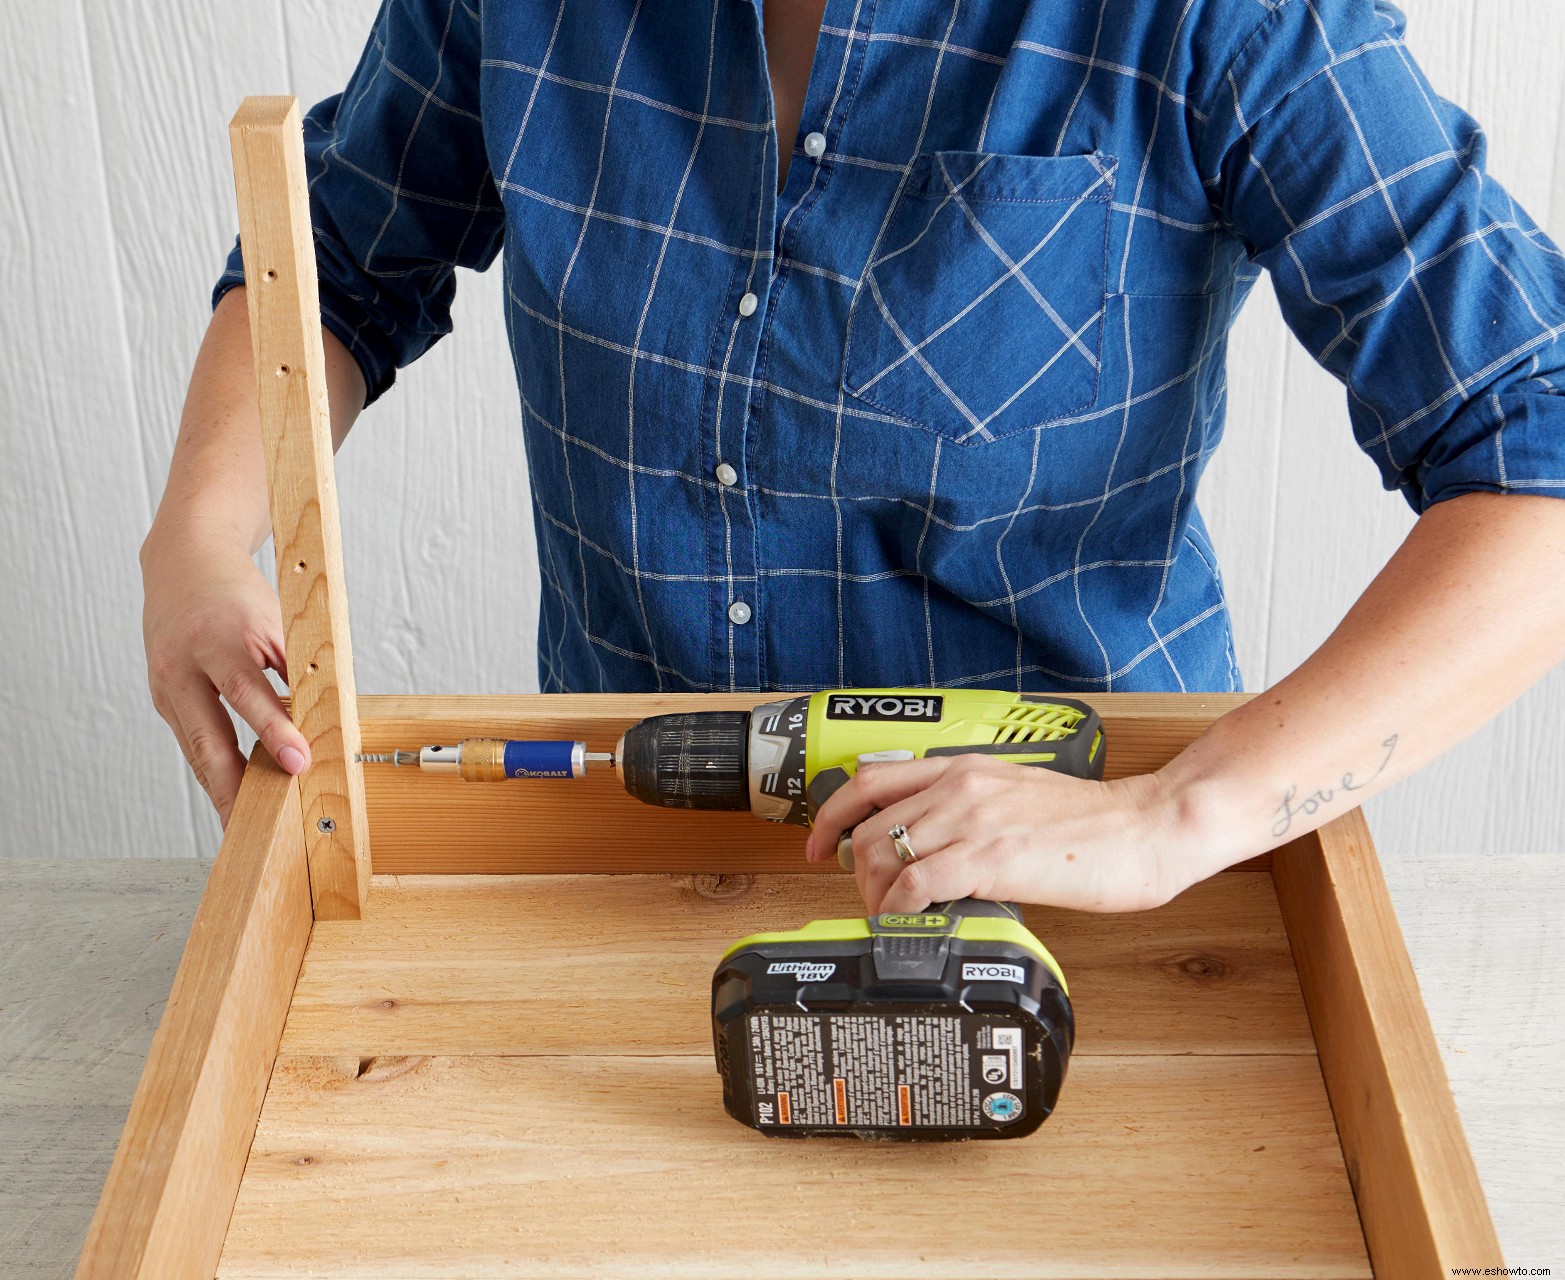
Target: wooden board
(623, 965)
(285, 329)
(1153, 1167)
(168, 1195)
(512, 1076)
(1418, 1192)
(430, 825)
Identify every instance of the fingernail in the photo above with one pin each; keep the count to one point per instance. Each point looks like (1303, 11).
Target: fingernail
(291, 759)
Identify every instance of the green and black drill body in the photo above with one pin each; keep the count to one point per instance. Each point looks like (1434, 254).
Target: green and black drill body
(950, 1023)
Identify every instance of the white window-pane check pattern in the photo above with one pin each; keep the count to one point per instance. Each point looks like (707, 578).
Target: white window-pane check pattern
(937, 412)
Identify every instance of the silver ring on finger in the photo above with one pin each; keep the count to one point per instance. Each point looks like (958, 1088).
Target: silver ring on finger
(899, 842)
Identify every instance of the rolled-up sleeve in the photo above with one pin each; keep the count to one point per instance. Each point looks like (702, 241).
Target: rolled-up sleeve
(400, 188)
(1406, 270)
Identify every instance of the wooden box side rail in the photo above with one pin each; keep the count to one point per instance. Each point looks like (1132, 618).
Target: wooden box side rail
(1419, 1197)
(283, 298)
(442, 825)
(166, 1203)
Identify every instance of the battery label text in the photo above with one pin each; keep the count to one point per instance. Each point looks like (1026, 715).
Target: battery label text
(803, 970)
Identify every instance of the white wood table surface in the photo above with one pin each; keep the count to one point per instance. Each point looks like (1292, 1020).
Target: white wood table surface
(88, 950)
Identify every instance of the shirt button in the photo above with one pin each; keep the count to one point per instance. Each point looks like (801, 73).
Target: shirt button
(748, 304)
(726, 475)
(815, 145)
(739, 613)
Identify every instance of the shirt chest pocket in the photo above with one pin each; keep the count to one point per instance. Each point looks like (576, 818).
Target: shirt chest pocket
(981, 312)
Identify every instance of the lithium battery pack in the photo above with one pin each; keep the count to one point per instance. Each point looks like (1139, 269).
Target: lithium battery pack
(954, 1023)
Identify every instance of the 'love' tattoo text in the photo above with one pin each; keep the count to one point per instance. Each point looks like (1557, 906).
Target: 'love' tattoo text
(1312, 802)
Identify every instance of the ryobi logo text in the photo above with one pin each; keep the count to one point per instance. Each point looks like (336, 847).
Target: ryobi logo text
(804, 970)
(857, 706)
(991, 973)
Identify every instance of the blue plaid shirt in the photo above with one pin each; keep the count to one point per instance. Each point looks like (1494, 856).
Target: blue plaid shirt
(936, 414)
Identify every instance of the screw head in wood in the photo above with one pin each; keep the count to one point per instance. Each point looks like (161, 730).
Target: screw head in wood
(326, 826)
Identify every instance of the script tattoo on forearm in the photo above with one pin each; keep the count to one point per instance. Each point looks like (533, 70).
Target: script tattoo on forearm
(1312, 802)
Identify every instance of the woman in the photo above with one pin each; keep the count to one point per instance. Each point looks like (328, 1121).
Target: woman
(924, 396)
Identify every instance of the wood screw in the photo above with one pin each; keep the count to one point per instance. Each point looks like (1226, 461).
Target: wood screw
(326, 826)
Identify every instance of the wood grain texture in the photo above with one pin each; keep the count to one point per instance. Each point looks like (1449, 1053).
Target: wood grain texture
(627, 1166)
(432, 825)
(446, 1103)
(166, 1201)
(475, 965)
(285, 320)
(1418, 1191)
(88, 949)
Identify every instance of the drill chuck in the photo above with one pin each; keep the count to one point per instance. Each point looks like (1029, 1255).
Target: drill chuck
(688, 761)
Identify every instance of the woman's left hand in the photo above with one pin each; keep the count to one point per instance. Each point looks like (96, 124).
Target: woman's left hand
(988, 828)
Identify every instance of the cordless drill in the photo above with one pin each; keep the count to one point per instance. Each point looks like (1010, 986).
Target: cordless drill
(949, 1023)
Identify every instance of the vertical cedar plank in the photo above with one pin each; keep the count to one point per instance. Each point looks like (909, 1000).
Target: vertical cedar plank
(1419, 1197)
(166, 1203)
(290, 362)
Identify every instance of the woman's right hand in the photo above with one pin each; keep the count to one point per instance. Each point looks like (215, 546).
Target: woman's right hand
(213, 626)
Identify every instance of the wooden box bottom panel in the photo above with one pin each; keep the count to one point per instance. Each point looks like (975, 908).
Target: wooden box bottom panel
(512, 1076)
(593, 1166)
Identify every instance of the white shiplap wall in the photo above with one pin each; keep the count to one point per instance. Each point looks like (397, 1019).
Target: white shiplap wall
(116, 207)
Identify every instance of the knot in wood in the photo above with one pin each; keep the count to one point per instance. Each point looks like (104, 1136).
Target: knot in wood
(1197, 968)
(374, 1070)
(721, 888)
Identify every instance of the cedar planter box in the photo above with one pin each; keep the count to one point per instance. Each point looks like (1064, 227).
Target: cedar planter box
(504, 1067)
(494, 1057)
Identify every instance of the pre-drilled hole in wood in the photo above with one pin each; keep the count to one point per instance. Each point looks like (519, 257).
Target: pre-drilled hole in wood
(299, 568)
(312, 668)
(269, 274)
(282, 371)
